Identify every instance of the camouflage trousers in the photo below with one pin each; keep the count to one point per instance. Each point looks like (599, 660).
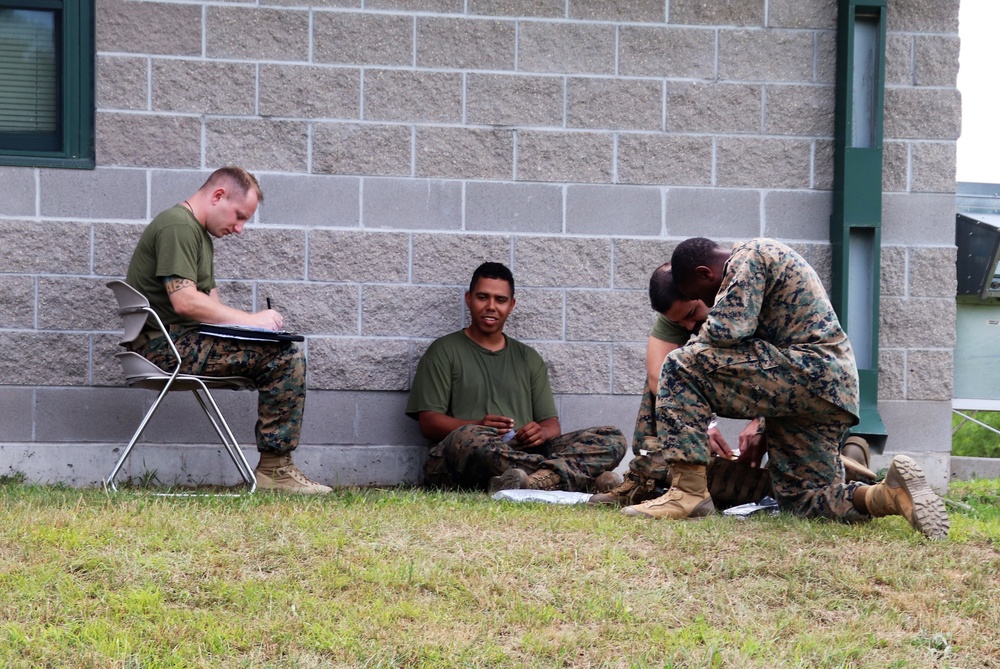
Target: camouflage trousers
(651, 466)
(471, 454)
(278, 370)
(803, 431)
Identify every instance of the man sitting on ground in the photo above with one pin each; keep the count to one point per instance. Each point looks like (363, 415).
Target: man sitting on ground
(485, 399)
(173, 266)
(773, 346)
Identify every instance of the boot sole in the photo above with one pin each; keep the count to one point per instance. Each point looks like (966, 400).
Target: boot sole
(929, 515)
(512, 479)
(700, 512)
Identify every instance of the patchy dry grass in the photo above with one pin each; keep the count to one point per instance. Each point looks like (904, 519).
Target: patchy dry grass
(408, 578)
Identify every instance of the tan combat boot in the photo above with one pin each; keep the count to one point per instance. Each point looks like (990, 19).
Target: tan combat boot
(631, 491)
(277, 473)
(905, 492)
(606, 481)
(856, 457)
(687, 498)
(518, 479)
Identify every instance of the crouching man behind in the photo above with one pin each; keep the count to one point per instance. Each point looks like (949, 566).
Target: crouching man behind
(485, 399)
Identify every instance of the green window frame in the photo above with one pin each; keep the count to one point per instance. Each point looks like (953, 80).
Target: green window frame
(47, 83)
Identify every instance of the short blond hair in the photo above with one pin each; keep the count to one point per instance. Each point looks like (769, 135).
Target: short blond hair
(236, 178)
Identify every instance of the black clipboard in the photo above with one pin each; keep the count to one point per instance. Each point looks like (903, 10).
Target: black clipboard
(248, 333)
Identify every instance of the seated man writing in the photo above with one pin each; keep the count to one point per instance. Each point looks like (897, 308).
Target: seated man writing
(173, 266)
(485, 398)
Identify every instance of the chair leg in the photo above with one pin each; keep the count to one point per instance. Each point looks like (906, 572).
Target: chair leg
(232, 446)
(109, 483)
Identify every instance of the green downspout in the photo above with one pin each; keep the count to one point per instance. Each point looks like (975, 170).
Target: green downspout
(856, 223)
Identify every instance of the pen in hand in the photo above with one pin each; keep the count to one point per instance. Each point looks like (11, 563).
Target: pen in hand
(268, 302)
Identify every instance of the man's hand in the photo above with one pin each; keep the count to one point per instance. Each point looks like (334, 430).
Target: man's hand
(501, 423)
(532, 435)
(717, 444)
(752, 444)
(269, 319)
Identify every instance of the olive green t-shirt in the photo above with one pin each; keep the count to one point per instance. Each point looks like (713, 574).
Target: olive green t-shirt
(173, 244)
(459, 378)
(668, 331)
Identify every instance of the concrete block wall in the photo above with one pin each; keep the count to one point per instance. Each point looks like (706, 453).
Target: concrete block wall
(400, 143)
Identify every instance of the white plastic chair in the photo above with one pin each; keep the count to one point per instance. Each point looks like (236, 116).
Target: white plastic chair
(135, 311)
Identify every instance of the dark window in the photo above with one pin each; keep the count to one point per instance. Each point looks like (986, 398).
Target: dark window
(47, 83)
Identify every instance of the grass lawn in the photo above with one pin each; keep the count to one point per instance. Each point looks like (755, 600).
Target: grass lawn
(410, 578)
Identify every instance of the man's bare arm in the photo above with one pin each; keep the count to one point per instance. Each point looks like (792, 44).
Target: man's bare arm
(656, 351)
(190, 302)
(437, 426)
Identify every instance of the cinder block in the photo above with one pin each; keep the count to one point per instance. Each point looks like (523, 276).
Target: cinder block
(361, 257)
(765, 55)
(628, 364)
(555, 262)
(113, 247)
(181, 421)
(763, 163)
(348, 4)
(416, 204)
(141, 140)
(822, 165)
(564, 156)
(674, 160)
(262, 253)
(687, 53)
(253, 33)
(644, 11)
(440, 6)
(917, 323)
(16, 414)
(826, 58)
(699, 12)
(713, 212)
(340, 148)
(628, 210)
(922, 113)
(895, 167)
(798, 14)
(202, 87)
(45, 247)
(122, 82)
(44, 359)
(516, 100)
(577, 368)
(799, 110)
(820, 257)
(635, 260)
(566, 48)
(929, 375)
(105, 370)
(310, 92)
(257, 144)
(581, 412)
(330, 417)
(148, 28)
(358, 364)
(170, 187)
(239, 295)
(538, 314)
(410, 311)
(307, 200)
(362, 38)
(382, 419)
(932, 271)
(899, 69)
(918, 218)
(469, 153)
(73, 303)
(917, 427)
(314, 309)
(892, 271)
(459, 43)
(633, 104)
(798, 214)
(19, 301)
(519, 8)
(713, 107)
(891, 374)
(940, 16)
(513, 207)
(934, 165)
(17, 191)
(607, 315)
(87, 414)
(451, 259)
(403, 95)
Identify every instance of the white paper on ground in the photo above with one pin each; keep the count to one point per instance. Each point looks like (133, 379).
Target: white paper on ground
(546, 496)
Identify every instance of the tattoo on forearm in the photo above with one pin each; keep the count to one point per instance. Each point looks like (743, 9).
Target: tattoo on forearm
(175, 283)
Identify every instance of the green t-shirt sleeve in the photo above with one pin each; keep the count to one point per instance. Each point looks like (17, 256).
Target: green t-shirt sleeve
(669, 331)
(431, 389)
(178, 251)
(543, 405)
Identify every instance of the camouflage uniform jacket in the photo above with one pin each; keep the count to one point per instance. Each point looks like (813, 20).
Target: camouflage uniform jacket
(769, 292)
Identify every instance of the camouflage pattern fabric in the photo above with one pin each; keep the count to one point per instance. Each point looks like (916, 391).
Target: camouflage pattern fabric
(278, 370)
(471, 454)
(772, 346)
(652, 466)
